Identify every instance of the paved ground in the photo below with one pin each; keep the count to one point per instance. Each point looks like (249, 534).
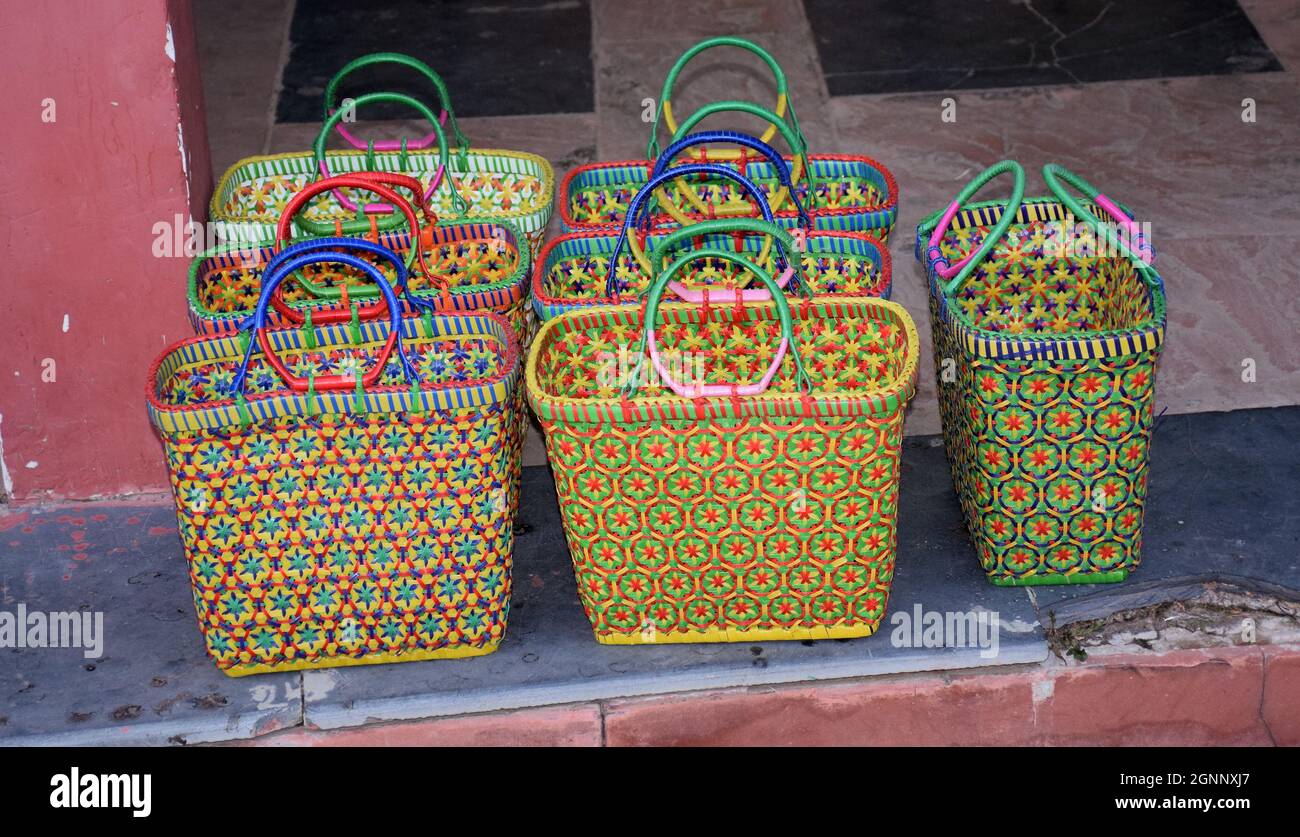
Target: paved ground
(1215, 535)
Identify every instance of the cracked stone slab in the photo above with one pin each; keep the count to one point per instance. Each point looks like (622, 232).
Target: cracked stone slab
(549, 655)
(153, 683)
(993, 43)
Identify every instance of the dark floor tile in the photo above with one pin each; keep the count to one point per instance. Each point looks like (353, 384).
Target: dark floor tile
(497, 58)
(887, 47)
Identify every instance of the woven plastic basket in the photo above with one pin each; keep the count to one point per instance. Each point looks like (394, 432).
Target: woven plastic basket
(463, 182)
(840, 192)
(758, 504)
(1047, 328)
(573, 270)
(461, 266)
(341, 500)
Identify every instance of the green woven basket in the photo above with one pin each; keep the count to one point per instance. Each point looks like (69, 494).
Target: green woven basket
(1047, 329)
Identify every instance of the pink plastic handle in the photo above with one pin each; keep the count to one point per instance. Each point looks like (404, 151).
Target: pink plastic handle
(380, 208)
(935, 237)
(391, 145)
(707, 296)
(1136, 241)
(713, 390)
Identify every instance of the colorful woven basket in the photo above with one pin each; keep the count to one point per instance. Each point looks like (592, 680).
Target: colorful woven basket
(343, 499)
(504, 185)
(1047, 328)
(728, 503)
(573, 270)
(840, 192)
(462, 266)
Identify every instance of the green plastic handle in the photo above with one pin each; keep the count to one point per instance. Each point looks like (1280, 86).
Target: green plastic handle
(733, 225)
(783, 103)
(402, 99)
(1053, 174)
(999, 230)
(654, 294)
(444, 97)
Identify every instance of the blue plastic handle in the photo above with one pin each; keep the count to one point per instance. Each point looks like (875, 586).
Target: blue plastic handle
(269, 283)
(314, 244)
(773, 156)
(641, 200)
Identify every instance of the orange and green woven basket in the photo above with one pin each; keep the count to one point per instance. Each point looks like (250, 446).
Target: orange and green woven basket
(344, 498)
(758, 506)
(1048, 322)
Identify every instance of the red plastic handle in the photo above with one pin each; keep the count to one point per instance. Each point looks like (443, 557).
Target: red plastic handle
(379, 183)
(371, 181)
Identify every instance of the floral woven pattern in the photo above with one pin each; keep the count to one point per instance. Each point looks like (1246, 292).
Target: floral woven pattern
(1047, 364)
(506, 184)
(849, 193)
(482, 263)
(572, 269)
(319, 534)
(729, 519)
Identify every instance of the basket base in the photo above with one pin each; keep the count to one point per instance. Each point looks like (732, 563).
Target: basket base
(1108, 577)
(245, 669)
(739, 635)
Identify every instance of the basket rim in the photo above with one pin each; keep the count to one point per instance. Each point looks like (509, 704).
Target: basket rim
(889, 206)
(226, 412)
(889, 398)
(1074, 345)
(515, 282)
(531, 219)
(540, 264)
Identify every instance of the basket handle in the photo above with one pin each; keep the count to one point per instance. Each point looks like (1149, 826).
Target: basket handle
(1136, 247)
(381, 184)
(640, 201)
(344, 312)
(665, 108)
(783, 173)
(967, 265)
(322, 163)
(785, 242)
(649, 344)
(444, 98)
(311, 383)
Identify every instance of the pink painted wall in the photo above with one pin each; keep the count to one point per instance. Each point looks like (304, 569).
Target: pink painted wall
(87, 303)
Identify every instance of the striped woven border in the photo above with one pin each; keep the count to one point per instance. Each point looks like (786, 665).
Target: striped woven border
(499, 294)
(498, 389)
(601, 243)
(892, 396)
(635, 173)
(531, 219)
(1084, 345)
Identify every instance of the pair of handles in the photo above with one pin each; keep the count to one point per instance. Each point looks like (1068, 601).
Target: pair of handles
(786, 176)
(288, 262)
(636, 233)
(697, 389)
(1136, 247)
(385, 185)
(783, 120)
(334, 120)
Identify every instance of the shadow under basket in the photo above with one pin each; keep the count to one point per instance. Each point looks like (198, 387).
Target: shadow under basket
(1045, 360)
